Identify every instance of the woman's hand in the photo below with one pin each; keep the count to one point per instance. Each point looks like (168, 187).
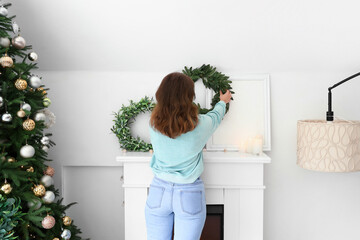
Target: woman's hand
(225, 97)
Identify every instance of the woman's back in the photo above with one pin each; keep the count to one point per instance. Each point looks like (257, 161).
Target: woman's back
(180, 159)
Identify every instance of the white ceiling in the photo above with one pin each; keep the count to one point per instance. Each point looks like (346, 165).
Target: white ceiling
(165, 35)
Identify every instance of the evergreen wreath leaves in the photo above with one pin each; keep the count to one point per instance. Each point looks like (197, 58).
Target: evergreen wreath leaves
(211, 79)
(123, 120)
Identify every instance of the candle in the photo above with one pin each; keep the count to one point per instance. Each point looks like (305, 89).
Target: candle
(257, 145)
(242, 146)
(249, 145)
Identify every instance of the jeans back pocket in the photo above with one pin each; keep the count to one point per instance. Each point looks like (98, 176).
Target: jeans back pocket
(191, 201)
(155, 196)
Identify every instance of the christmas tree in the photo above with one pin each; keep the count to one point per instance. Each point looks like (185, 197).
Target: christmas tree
(25, 177)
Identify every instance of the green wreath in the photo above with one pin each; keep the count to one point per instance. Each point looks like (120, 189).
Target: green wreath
(212, 79)
(124, 118)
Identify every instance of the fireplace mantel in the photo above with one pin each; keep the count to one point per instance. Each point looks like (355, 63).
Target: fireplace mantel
(233, 179)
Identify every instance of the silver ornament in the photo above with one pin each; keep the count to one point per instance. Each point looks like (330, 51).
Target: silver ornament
(35, 81)
(6, 117)
(45, 148)
(49, 197)
(3, 11)
(1, 101)
(35, 202)
(27, 151)
(40, 116)
(4, 42)
(18, 42)
(26, 107)
(66, 234)
(33, 56)
(15, 28)
(45, 140)
(47, 180)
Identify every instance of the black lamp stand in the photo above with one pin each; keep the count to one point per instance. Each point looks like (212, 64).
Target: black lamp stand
(330, 113)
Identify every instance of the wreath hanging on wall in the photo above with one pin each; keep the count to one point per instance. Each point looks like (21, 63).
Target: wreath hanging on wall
(123, 120)
(211, 78)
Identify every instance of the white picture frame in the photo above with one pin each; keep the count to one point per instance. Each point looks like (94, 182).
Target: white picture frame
(248, 116)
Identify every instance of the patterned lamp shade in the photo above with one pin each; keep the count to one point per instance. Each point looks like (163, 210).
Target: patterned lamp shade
(328, 146)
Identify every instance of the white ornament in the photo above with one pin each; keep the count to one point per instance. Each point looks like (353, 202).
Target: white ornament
(26, 107)
(18, 42)
(3, 11)
(49, 116)
(4, 42)
(34, 202)
(40, 116)
(21, 113)
(1, 101)
(35, 81)
(45, 148)
(45, 140)
(15, 28)
(66, 234)
(47, 180)
(49, 197)
(27, 151)
(6, 117)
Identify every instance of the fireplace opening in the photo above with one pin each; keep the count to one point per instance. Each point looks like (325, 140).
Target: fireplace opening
(214, 224)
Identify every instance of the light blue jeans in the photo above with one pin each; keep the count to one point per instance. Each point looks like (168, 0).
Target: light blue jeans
(181, 206)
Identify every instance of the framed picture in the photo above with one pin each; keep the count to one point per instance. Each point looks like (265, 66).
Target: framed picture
(248, 115)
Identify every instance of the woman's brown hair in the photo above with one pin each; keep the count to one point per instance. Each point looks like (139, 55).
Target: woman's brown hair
(175, 112)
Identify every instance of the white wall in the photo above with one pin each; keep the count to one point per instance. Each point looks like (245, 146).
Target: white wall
(96, 56)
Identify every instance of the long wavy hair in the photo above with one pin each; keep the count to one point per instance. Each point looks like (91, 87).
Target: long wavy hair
(175, 113)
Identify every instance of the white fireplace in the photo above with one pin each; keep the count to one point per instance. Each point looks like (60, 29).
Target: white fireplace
(232, 179)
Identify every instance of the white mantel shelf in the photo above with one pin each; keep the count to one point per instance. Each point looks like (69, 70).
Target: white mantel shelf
(209, 157)
(233, 179)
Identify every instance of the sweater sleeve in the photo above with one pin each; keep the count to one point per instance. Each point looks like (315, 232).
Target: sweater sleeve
(212, 120)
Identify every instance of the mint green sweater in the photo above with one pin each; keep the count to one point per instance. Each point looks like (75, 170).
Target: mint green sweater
(180, 160)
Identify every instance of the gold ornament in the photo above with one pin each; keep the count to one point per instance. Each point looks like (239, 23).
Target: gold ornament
(39, 190)
(21, 113)
(41, 89)
(30, 169)
(29, 124)
(6, 188)
(20, 84)
(6, 61)
(67, 220)
(11, 159)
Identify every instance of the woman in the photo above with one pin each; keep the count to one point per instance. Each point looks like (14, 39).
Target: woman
(178, 134)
